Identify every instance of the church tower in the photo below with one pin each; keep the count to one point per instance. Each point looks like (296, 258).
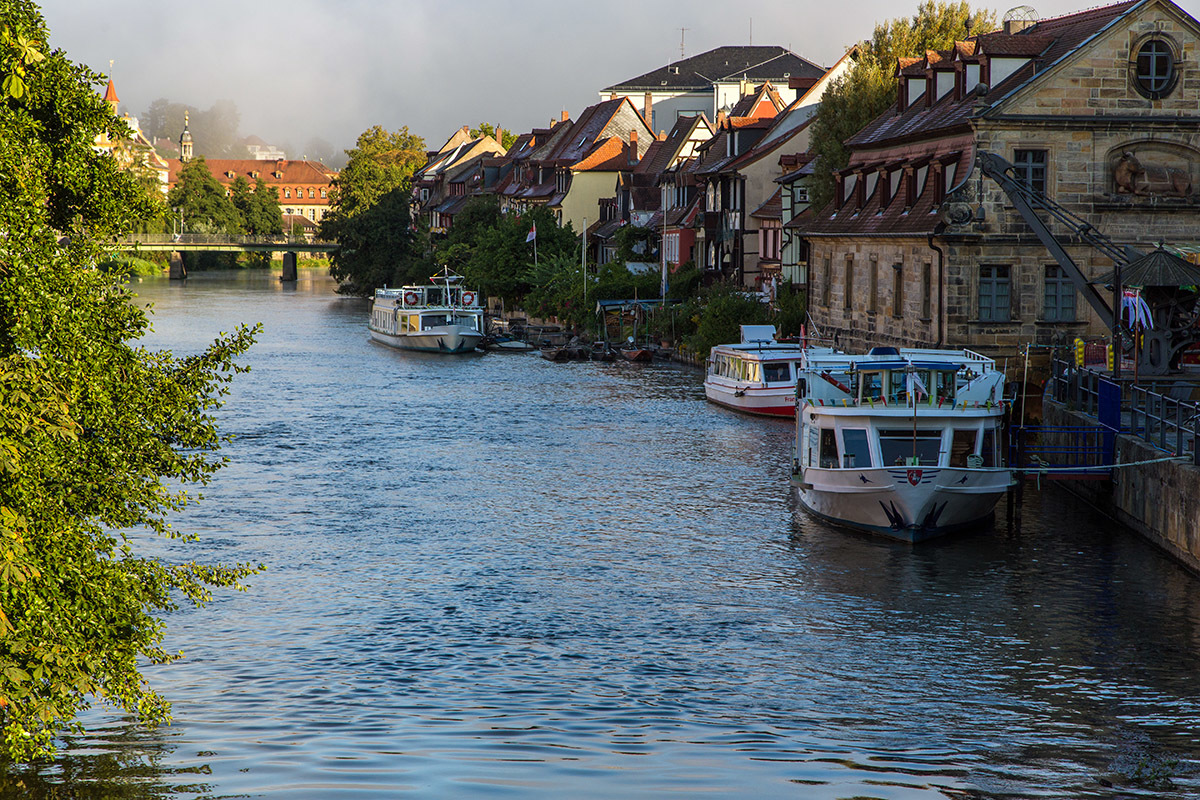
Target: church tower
(110, 97)
(185, 141)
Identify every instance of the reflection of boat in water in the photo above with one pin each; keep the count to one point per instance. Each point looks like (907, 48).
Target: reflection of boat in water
(441, 318)
(905, 443)
(756, 375)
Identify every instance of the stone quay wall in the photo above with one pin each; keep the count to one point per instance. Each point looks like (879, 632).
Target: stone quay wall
(1159, 501)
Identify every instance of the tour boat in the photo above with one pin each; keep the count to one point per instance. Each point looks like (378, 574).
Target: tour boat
(757, 375)
(443, 317)
(900, 442)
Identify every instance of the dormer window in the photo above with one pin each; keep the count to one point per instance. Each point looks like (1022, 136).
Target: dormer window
(1154, 73)
(254, 174)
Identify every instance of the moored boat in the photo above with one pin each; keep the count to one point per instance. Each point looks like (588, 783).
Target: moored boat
(904, 443)
(443, 317)
(757, 375)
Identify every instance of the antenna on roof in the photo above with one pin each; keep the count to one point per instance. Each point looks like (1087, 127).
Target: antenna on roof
(682, 31)
(752, 31)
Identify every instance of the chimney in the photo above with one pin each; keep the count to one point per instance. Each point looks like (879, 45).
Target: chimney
(565, 116)
(633, 148)
(499, 135)
(648, 110)
(612, 95)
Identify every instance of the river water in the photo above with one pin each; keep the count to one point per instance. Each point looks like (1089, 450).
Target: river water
(493, 576)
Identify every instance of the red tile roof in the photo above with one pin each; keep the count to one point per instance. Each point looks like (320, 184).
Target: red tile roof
(292, 172)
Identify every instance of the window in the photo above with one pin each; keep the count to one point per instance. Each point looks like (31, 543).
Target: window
(799, 194)
(855, 451)
(287, 193)
(993, 293)
(1030, 169)
(825, 286)
(908, 447)
(828, 454)
(1060, 295)
(961, 446)
(873, 286)
(927, 293)
(1154, 72)
(848, 284)
(777, 373)
(897, 290)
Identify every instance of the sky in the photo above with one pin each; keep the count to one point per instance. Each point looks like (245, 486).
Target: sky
(331, 69)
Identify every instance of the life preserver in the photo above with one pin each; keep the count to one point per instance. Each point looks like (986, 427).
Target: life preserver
(410, 298)
(468, 298)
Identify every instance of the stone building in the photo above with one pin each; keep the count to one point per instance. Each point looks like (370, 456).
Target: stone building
(1099, 111)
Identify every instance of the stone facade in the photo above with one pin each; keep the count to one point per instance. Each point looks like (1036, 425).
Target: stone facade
(1078, 120)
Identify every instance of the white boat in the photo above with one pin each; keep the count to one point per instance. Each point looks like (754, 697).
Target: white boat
(443, 317)
(757, 375)
(904, 443)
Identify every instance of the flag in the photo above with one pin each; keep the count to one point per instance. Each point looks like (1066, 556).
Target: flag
(532, 234)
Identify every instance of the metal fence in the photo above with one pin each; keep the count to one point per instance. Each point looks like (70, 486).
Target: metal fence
(1147, 410)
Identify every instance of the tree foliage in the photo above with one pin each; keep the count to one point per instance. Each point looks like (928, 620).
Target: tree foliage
(379, 163)
(97, 431)
(369, 213)
(378, 246)
(492, 251)
(507, 137)
(869, 88)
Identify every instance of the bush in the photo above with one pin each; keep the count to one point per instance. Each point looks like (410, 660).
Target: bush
(129, 266)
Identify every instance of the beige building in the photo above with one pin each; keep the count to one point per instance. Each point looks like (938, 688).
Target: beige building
(1099, 112)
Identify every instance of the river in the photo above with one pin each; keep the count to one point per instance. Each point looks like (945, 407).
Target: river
(494, 576)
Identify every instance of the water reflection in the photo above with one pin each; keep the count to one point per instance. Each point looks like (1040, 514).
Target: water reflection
(500, 576)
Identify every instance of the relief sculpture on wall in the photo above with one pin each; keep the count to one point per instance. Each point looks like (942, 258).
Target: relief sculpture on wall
(1147, 176)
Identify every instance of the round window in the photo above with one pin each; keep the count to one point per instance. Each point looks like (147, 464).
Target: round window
(1154, 72)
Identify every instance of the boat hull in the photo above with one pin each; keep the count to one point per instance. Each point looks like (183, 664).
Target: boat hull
(450, 339)
(762, 401)
(910, 504)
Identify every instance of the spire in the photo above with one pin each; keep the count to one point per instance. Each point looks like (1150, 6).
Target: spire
(185, 141)
(110, 95)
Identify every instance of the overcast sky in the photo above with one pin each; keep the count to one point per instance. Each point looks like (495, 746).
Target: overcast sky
(299, 69)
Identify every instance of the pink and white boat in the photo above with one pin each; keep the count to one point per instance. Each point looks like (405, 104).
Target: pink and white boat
(757, 375)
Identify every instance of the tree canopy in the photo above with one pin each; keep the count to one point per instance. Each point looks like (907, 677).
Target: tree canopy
(214, 130)
(98, 432)
(507, 137)
(369, 213)
(869, 88)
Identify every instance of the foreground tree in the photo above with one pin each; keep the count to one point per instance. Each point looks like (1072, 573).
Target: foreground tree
(97, 431)
(869, 88)
(369, 213)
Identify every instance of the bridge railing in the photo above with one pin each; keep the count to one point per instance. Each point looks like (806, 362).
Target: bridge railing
(218, 238)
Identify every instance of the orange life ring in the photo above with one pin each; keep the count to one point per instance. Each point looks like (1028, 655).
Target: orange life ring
(410, 298)
(468, 298)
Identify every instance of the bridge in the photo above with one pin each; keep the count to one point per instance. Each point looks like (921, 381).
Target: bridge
(177, 243)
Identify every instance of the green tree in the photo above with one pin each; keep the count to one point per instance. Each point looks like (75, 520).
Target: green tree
(378, 247)
(869, 88)
(98, 432)
(203, 199)
(258, 208)
(380, 162)
(507, 137)
(369, 212)
(500, 261)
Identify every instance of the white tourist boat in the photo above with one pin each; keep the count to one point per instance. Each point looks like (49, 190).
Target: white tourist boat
(904, 443)
(443, 317)
(757, 375)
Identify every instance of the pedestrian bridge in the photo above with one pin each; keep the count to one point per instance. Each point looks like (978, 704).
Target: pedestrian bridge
(224, 243)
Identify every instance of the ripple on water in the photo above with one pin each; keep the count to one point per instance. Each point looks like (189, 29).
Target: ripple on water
(496, 576)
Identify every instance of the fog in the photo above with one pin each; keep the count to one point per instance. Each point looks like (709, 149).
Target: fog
(302, 70)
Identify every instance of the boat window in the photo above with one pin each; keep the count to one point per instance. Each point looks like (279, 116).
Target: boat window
(988, 451)
(944, 381)
(811, 450)
(962, 445)
(901, 447)
(898, 391)
(466, 320)
(855, 450)
(828, 449)
(872, 385)
(754, 371)
(777, 373)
